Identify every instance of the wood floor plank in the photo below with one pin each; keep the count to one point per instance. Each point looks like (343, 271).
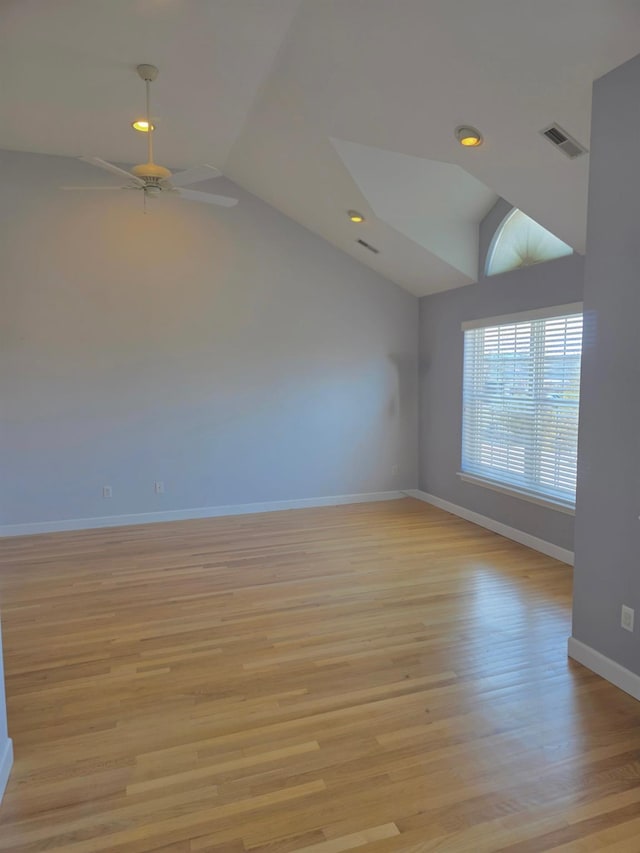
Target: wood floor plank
(353, 841)
(384, 678)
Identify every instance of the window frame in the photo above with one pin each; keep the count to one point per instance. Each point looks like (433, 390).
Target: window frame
(531, 495)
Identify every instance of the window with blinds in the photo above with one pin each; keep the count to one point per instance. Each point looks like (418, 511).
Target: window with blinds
(521, 398)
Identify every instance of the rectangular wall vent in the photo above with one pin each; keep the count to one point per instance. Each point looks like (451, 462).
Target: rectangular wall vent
(564, 141)
(369, 247)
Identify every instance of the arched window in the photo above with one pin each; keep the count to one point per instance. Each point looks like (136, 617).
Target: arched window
(521, 242)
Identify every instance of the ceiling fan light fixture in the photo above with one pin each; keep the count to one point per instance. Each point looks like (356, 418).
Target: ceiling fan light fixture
(469, 137)
(356, 217)
(142, 125)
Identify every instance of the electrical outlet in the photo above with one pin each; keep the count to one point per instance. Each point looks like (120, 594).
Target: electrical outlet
(107, 492)
(158, 487)
(626, 619)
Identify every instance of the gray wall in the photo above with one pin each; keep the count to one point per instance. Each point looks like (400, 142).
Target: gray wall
(230, 353)
(3, 705)
(6, 748)
(441, 353)
(607, 571)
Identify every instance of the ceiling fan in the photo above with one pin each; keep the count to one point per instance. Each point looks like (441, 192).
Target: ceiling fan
(154, 180)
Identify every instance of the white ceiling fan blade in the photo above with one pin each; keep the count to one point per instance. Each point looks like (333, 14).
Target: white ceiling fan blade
(192, 176)
(98, 188)
(110, 167)
(208, 198)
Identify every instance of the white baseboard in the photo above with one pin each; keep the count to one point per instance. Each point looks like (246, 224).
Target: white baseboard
(186, 514)
(520, 536)
(6, 763)
(604, 666)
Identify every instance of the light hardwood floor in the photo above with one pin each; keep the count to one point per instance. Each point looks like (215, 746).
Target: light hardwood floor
(377, 677)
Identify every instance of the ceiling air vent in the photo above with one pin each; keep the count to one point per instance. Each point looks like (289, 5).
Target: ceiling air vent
(564, 141)
(369, 247)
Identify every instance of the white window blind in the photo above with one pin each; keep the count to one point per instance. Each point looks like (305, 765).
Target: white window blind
(521, 402)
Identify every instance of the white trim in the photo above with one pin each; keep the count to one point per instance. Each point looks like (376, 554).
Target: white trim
(604, 666)
(6, 763)
(516, 493)
(520, 536)
(185, 514)
(525, 316)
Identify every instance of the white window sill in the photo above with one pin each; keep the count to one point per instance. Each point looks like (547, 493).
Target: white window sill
(568, 509)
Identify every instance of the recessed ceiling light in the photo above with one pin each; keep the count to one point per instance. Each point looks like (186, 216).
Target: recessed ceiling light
(354, 216)
(469, 136)
(142, 125)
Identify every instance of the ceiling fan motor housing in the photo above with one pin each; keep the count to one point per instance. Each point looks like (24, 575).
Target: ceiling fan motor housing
(151, 171)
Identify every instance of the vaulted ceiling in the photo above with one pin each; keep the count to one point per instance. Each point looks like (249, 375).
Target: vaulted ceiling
(319, 106)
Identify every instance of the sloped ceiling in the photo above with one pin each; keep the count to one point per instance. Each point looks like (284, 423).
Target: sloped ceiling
(319, 106)
(70, 85)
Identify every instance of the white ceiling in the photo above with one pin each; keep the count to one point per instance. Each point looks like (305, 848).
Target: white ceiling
(69, 84)
(319, 106)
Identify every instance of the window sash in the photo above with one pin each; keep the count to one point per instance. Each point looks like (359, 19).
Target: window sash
(521, 398)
